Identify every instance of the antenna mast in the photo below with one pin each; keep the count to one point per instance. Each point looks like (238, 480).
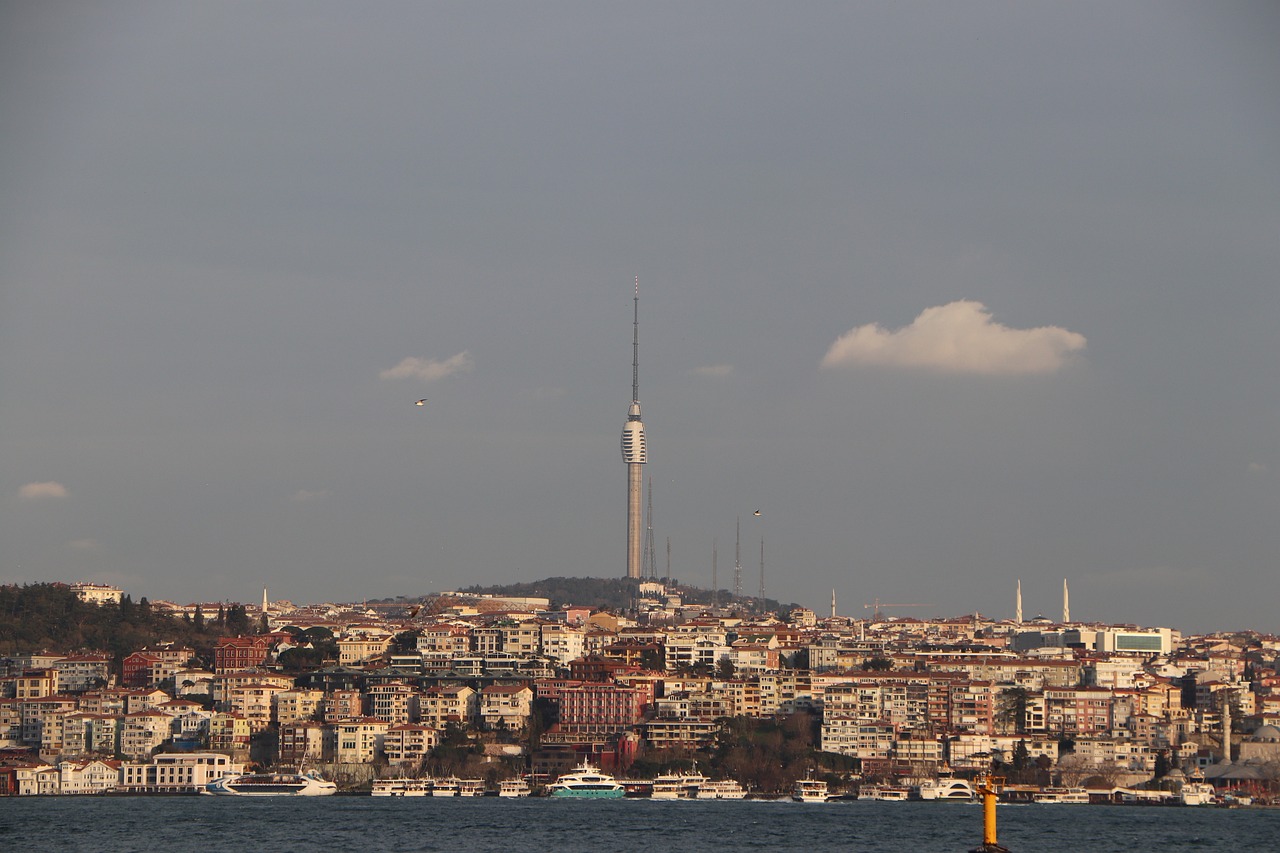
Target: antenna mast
(635, 348)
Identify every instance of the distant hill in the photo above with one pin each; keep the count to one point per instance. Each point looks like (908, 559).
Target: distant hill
(615, 594)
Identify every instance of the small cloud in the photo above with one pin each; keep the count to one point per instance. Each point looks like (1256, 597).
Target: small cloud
(84, 544)
(959, 337)
(1257, 468)
(305, 495)
(429, 369)
(713, 370)
(42, 491)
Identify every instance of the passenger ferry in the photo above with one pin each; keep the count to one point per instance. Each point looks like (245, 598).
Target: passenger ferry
(470, 787)
(271, 785)
(512, 788)
(721, 789)
(446, 787)
(677, 786)
(586, 782)
(401, 788)
(886, 793)
(1062, 796)
(810, 790)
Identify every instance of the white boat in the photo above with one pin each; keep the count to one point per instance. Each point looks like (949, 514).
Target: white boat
(1197, 794)
(885, 793)
(677, 786)
(401, 788)
(810, 790)
(446, 787)
(951, 790)
(271, 785)
(512, 788)
(470, 787)
(586, 782)
(1062, 796)
(721, 789)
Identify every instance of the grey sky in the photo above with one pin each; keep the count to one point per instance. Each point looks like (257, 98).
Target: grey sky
(1054, 227)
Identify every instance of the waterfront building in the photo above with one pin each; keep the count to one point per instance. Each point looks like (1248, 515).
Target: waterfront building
(176, 773)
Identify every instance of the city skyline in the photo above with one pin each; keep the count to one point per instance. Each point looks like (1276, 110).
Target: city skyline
(952, 295)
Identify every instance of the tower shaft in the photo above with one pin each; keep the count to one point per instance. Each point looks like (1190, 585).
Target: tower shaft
(634, 453)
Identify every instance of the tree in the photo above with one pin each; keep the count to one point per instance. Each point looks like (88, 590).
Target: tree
(1012, 709)
(877, 664)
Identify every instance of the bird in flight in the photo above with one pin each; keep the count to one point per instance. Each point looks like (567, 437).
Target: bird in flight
(423, 402)
(757, 512)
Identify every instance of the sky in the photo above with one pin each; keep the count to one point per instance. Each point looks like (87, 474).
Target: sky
(955, 295)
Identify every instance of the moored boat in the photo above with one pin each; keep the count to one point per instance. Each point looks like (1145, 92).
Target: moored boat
(1061, 796)
(512, 788)
(271, 785)
(586, 782)
(470, 787)
(721, 789)
(947, 789)
(401, 788)
(677, 786)
(446, 787)
(885, 793)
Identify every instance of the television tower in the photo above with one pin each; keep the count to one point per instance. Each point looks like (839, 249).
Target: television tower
(634, 453)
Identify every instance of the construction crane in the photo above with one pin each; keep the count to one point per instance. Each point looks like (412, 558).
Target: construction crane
(875, 608)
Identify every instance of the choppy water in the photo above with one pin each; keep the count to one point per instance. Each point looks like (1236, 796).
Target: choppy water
(334, 824)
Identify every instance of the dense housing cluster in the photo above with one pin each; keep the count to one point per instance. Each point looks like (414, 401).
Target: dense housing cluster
(510, 687)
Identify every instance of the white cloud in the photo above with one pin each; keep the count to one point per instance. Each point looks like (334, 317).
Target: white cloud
(41, 491)
(429, 369)
(959, 337)
(714, 370)
(304, 495)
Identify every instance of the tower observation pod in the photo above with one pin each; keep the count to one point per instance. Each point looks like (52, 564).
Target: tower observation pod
(634, 453)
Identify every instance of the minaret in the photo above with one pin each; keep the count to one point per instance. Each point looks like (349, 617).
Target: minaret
(634, 453)
(1017, 613)
(833, 604)
(264, 600)
(1066, 604)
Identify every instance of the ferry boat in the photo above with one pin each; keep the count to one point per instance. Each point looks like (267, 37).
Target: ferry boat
(886, 793)
(721, 789)
(470, 787)
(446, 787)
(950, 790)
(677, 786)
(810, 790)
(586, 782)
(271, 785)
(512, 788)
(1197, 794)
(1062, 796)
(401, 788)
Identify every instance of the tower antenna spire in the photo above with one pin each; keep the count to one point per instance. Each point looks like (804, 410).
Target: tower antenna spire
(635, 350)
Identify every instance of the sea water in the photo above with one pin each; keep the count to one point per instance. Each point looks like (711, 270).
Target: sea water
(377, 824)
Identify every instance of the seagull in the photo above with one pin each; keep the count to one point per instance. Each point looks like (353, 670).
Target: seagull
(423, 402)
(757, 512)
